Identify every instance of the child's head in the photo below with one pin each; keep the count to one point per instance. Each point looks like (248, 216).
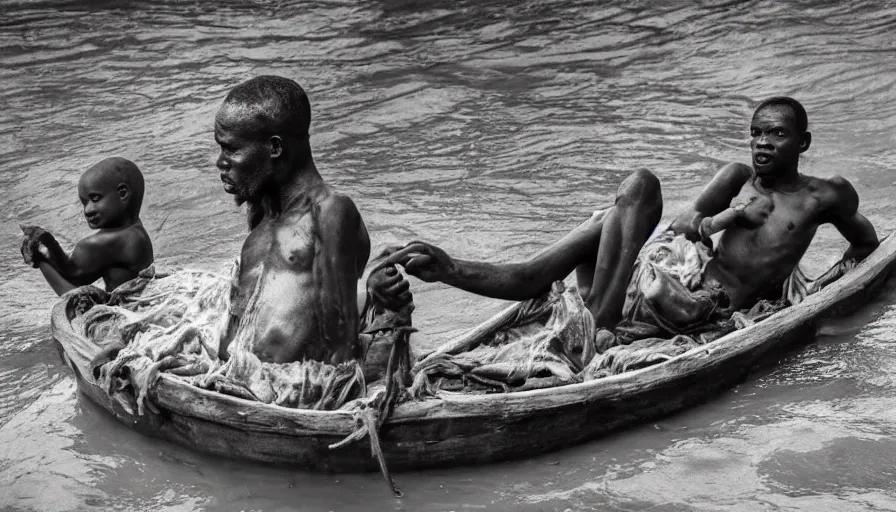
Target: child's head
(112, 193)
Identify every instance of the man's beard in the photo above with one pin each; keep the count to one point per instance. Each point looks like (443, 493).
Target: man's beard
(246, 195)
(254, 207)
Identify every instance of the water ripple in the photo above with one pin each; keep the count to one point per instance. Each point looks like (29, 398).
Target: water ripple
(490, 128)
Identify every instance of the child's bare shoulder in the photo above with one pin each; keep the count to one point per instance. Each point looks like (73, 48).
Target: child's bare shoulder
(131, 244)
(138, 246)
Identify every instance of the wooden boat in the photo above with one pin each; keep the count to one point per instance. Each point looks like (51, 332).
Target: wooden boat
(470, 429)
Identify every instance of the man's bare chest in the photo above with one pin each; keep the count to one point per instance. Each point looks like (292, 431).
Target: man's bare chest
(284, 243)
(784, 215)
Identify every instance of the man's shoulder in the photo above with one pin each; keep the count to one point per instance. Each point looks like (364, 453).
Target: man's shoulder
(832, 188)
(337, 200)
(835, 193)
(837, 183)
(338, 214)
(338, 206)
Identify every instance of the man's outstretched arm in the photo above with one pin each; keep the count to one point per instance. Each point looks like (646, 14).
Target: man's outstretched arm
(855, 228)
(499, 280)
(509, 281)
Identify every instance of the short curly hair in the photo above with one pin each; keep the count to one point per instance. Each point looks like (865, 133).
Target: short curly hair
(799, 113)
(123, 171)
(276, 105)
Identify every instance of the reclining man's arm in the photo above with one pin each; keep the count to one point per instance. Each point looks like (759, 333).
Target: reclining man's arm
(855, 228)
(714, 199)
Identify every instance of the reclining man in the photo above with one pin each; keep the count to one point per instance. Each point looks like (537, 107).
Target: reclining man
(769, 214)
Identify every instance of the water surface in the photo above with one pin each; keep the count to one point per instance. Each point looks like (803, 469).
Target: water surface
(490, 128)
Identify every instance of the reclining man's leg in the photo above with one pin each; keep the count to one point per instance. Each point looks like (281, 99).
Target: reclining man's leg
(624, 229)
(602, 250)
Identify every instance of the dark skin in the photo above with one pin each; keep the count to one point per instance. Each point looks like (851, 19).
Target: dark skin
(601, 250)
(117, 252)
(768, 216)
(782, 211)
(306, 251)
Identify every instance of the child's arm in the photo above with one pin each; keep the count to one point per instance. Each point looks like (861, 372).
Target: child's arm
(87, 260)
(59, 284)
(83, 266)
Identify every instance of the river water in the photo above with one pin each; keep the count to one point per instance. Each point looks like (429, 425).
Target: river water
(490, 127)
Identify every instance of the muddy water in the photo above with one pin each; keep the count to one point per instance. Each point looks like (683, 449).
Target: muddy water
(490, 128)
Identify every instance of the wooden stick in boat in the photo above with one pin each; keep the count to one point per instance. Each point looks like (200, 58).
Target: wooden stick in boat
(470, 339)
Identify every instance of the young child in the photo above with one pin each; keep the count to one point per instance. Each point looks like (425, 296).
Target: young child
(112, 193)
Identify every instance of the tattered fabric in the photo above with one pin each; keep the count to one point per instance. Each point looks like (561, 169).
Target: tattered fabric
(174, 324)
(552, 339)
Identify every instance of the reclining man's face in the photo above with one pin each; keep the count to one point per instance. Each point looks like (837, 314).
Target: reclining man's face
(244, 161)
(775, 140)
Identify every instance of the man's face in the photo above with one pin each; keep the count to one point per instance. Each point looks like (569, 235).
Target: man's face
(775, 141)
(244, 161)
(102, 200)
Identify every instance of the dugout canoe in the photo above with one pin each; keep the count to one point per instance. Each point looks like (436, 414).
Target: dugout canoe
(461, 429)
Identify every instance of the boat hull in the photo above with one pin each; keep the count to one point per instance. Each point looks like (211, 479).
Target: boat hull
(473, 429)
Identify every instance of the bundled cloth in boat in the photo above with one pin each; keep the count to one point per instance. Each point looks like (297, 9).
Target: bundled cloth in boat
(655, 327)
(174, 324)
(537, 344)
(552, 340)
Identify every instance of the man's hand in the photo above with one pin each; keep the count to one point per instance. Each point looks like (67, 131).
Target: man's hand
(389, 288)
(713, 200)
(755, 211)
(690, 228)
(424, 261)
